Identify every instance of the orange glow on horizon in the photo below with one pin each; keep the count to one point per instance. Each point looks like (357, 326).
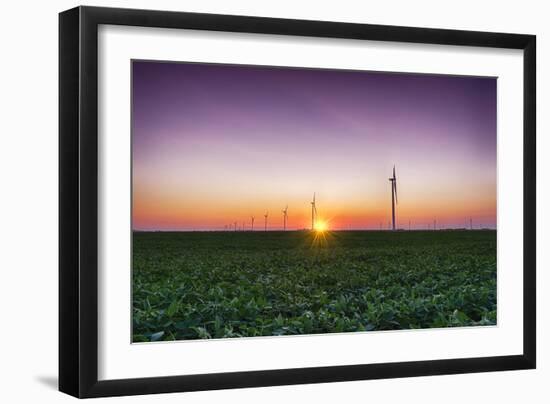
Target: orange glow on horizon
(175, 213)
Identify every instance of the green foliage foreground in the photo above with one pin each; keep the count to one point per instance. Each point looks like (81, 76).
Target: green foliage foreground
(244, 284)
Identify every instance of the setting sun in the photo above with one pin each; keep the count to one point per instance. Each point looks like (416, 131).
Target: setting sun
(321, 226)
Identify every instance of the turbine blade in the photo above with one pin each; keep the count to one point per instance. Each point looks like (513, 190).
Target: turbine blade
(395, 190)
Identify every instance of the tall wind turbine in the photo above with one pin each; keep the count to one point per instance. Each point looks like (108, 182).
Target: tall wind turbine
(265, 221)
(285, 217)
(393, 181)
(313, 213)
(252, 228)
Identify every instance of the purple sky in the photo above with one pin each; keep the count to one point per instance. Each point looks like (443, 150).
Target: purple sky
(213, 144)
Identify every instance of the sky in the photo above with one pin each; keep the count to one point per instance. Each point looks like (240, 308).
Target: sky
(215, 144)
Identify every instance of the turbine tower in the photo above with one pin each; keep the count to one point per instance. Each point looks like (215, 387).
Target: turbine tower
(265, 221)
(313, 213)
(252, 228)
(393, 181)
(285, 217)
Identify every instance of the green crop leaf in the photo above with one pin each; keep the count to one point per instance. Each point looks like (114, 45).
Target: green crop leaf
(173, 308)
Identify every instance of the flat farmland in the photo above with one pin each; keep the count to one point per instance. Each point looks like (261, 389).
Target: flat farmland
(191, 285)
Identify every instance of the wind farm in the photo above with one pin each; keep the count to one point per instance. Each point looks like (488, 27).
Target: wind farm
(284, 201)
(318, 224)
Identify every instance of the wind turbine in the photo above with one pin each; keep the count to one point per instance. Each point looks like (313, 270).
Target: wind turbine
(313, 213)
(235, 226)
(285, 217)
(393, 181)
(265, 221)
(252, 228)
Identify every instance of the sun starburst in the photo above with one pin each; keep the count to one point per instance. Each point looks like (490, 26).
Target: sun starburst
(321, 226)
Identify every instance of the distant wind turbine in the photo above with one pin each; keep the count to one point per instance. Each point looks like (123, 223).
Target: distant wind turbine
(393, 181)
(252, 228)
(265, 221)
(235, 226)
(285, 217)
(313, 213)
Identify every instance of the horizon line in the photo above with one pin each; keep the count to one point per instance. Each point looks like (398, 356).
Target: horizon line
(218, 230)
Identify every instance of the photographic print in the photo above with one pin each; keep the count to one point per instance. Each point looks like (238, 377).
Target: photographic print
(278, 201)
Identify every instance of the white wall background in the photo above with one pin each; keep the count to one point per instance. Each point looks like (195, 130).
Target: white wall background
(28, 203)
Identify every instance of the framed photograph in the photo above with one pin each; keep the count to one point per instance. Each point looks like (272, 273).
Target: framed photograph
(251, 201)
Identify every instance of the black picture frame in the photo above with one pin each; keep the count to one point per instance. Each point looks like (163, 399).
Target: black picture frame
(78, 201)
